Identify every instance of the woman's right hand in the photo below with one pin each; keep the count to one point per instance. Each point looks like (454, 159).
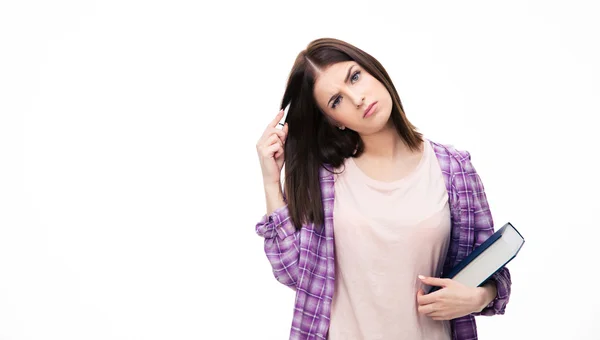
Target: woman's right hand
(270, 148)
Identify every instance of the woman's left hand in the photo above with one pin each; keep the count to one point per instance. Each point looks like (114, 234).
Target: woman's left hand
(453, 300)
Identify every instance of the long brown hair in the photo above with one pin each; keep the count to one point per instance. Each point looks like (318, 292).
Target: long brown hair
(312, 141)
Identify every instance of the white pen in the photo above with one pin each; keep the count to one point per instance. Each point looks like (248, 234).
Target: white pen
(282, 121)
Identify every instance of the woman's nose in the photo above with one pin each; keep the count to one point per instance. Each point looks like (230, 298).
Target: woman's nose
(358, 99)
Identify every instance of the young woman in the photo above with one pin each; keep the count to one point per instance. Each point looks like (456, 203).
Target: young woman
(372, 212)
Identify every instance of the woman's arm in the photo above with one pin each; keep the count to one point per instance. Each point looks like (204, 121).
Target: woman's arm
(281, 238)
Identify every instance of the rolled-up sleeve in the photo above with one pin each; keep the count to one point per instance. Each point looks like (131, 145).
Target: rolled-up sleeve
(281, 245)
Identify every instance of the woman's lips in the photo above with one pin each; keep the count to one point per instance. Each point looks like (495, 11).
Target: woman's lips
(369, 111)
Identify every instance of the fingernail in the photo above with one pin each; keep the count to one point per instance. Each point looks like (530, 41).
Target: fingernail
(421, 277)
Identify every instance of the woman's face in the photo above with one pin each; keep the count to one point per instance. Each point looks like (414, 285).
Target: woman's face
(344, 91)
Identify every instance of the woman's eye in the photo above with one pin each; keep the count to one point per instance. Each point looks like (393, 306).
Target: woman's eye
(335, 102)
(355, 76)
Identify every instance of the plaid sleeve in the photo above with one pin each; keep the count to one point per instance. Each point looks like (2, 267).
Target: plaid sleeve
(484, 228)
(281, 245)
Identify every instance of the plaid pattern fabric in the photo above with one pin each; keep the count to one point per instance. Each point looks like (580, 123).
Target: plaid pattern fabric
(304, 260)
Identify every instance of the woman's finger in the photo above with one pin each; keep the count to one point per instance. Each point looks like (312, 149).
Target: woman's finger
(426, 309)
(276, 119)
(270, 129)
(279, 152)
(272, 150)
(280, 133)
(273, 140)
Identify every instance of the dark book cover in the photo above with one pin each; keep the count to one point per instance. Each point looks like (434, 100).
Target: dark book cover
(475, 253)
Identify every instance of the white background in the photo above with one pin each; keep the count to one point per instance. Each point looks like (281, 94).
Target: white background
(130, 185)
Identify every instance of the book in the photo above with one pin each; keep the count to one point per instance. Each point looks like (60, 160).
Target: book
(484, 261)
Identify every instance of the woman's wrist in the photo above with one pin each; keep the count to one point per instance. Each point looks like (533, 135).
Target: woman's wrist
(487, 294)
(274, 197)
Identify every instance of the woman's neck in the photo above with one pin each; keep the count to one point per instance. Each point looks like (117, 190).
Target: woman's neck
(385, 145)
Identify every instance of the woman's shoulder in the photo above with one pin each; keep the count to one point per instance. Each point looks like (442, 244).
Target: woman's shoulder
(449, 150)
(446, 151)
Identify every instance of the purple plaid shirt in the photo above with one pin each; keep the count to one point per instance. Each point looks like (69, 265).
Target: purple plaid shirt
(304, 260)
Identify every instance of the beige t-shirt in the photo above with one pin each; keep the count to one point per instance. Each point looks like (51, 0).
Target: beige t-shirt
(386, 234)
